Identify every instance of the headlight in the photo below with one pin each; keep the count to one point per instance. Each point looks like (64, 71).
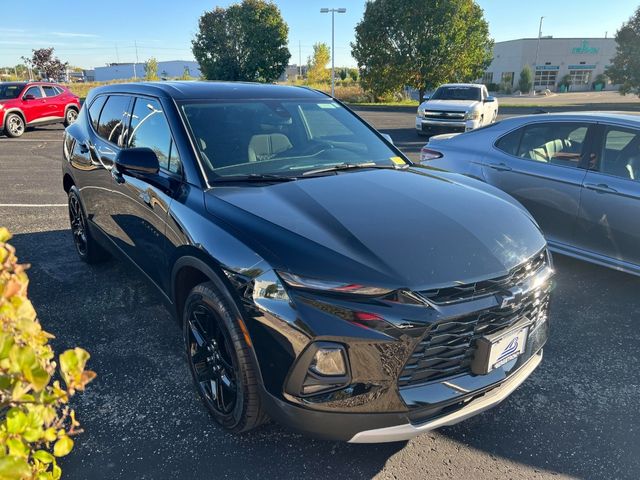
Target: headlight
(472, 115)
(338, 287)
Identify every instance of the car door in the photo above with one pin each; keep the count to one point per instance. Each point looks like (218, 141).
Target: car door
(609, 219)
(35, 108)
(141, 202)
(542, 165)
(54, 101)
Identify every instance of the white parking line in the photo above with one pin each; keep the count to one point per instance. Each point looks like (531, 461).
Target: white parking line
(16, 140)
(32, 205)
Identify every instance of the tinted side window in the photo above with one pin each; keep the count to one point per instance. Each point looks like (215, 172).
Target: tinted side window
(35, 91)
(94, 111)
(510, 142)
(113, 118)
(150, 129)
(621, 153)
(558, 143)
(49, 91)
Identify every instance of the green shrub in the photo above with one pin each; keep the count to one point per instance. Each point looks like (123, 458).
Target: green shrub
(36, 423)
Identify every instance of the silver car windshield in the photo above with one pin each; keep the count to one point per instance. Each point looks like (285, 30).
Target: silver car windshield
(281, 137)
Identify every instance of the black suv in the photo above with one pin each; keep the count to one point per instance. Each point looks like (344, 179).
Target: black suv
(319, 276)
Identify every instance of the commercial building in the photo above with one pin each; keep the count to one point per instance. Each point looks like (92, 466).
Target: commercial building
(127, 71)
(581, 59)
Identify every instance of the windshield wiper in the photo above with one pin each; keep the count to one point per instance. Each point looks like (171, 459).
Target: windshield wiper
(253, 177)
(348, 166)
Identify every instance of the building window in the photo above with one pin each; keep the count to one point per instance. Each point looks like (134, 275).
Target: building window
(507, 78)
(545, 78)
(487, 78)
(579, 77)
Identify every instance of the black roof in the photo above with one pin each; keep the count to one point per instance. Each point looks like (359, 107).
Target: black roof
(190, 90)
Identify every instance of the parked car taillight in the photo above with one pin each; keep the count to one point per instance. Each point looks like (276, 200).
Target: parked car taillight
(428, 154)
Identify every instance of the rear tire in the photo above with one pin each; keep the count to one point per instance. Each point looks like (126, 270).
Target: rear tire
(14, 125)
(87, 248)
(70, 116)
(220, 360)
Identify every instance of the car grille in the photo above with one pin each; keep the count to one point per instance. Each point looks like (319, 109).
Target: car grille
(443, 115)
(448, 347)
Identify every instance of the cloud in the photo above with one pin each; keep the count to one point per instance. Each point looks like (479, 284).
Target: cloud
(74, 35)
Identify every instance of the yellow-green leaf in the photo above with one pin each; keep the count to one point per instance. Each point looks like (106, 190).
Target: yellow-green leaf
(63, 446)
(43, 456)
(16, 420)
(17, 448)
(14, 468)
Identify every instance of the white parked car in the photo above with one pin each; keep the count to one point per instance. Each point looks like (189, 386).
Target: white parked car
(456, 107)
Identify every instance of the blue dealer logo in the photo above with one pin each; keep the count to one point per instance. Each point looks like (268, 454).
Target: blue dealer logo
(509, 350)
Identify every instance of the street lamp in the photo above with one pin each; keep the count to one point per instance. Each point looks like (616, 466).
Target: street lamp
(535, 65)
(333, 12)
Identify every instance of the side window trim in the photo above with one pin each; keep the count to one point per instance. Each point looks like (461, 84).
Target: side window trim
(172, 142)
(127, 111)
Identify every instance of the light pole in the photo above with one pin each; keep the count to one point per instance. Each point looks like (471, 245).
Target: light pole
(535, 65)
(333, 12)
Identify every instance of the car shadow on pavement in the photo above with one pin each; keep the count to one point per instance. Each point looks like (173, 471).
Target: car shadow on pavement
(142, 417)
(579, 413)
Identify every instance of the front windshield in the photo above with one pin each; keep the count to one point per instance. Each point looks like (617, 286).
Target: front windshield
(9, 91)
(281, 137)
(457, 93)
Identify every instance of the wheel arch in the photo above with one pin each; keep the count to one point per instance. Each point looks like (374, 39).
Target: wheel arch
(67, 182)
(72, 106)
(14, 110)
(192, 268)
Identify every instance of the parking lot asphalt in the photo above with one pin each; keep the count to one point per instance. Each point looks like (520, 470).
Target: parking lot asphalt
(577, 416)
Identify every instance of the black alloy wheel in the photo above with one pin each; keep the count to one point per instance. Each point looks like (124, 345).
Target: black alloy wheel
(221, 359)
(88, 249)
(211, 358)
(78, 229)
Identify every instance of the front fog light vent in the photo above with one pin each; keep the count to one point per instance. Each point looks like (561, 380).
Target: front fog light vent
(329, 362)
(323, 367)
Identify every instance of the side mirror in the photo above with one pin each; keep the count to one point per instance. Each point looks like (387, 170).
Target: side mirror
(426, 96)
(387, 137)
(29, 96)
(137, 160)
(490, 99)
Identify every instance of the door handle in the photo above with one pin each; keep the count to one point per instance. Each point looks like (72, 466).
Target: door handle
(501, 167)
(600, 187)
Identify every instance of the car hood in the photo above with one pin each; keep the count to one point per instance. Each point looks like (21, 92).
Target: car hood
(451, 105)
(391, 228)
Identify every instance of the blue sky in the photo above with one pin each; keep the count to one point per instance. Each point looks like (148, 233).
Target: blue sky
(89, 33)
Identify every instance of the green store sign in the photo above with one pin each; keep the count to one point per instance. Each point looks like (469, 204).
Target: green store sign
(585, 49)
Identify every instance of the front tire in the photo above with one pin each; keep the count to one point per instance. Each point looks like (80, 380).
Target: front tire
(14, 125)
(220, 360)
(87, 248)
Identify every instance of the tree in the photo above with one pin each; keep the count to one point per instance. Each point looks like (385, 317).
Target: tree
(317, 64)
(395, 46)
(353, 73)
(246, 41)
(625, 65)
(342, 73)
(47, 65)
(525, 83)
(151, 69)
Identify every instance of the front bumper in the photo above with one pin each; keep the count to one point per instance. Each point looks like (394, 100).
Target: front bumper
(473, 407)
(434, 127)
(395, 426)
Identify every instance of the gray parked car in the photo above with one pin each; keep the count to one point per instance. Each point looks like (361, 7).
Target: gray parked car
(577, 173)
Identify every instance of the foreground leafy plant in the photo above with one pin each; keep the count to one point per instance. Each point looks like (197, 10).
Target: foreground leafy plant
(36, 423)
